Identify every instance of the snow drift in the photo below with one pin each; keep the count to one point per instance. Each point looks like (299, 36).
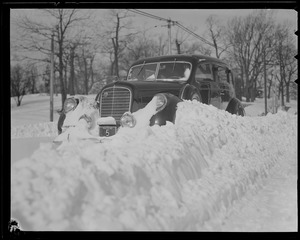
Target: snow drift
(48, 129)
(174, 177)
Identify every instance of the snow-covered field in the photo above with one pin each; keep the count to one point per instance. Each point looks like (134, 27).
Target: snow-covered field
(210, 171)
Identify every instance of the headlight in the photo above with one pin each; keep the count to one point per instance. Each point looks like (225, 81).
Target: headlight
(69, 104)
(161, 101)
(128, 120)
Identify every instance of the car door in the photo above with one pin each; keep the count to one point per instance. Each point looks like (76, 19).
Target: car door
(203, 81)
(207, 85)
(215, 97)
(224, 80)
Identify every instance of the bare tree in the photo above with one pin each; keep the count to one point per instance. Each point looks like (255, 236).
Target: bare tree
(285, 51)
(216, 33)
(72, 81)
(85, 64)
(181, 37)
(32, 74)
(116, 35)
(20, 83)
(196, 47)
(142, 46)
(162, 46)
(37, 35)
(45, 88)
(251, 39)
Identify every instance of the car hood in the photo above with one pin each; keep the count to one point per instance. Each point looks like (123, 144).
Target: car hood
(144, 91)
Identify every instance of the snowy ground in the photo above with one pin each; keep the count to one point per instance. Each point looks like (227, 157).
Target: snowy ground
(209, 171)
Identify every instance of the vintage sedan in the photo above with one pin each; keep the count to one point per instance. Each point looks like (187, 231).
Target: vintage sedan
(166, 80)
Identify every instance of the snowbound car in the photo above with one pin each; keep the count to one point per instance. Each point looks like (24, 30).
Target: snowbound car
(166, 80)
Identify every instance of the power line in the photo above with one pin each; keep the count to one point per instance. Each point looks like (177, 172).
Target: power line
(174, 22)
(194, 34)
(148, 15)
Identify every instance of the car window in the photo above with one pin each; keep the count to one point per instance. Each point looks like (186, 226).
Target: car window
(222, 74)
(175, 70)
(142, 72)
(162, 71)
(203, 72)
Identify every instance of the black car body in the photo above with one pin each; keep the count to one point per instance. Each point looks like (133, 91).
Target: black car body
(177, 77)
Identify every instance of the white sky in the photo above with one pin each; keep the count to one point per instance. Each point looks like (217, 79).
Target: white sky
(190, 18)
(193, 19)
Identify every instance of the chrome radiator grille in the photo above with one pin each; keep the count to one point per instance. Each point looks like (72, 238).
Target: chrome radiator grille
(114, 101)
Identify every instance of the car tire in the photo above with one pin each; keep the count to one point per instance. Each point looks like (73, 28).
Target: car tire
(240, 111)
(196, 96)
(235, 107)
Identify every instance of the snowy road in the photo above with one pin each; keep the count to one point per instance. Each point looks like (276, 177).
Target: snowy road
(273, 208)
(25, 147)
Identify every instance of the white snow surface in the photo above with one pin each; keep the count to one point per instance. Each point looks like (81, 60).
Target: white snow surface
(210, 171)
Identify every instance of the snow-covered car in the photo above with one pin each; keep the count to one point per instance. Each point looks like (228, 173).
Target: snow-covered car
(161, 82)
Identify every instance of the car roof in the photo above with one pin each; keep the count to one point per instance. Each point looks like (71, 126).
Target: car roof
(179, 57)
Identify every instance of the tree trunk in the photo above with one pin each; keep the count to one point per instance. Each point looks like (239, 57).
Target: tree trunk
(18, 101)
(242, 84)
(61, 68)
(116, 65)
(91, 73)
(33, 84)
(269, 90)
(116, 47)
(253, 92)
(247, 89)
(112, 68)
(60, 40)
(65, 77)
(287, 92)
(61, 80)
(72, 73)
(86, 79)
(238, 88)
(282, 94)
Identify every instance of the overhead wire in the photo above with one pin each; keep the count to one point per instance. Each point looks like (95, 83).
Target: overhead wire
(148, 15)
(174, 23)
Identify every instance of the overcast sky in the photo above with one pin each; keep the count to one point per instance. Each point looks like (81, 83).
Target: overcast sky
(197, 17)
(190, 18)
(193, 19)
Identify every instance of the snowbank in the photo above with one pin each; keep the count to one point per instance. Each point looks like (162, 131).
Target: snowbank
(174, 177)
(47, 129)
(257, 108)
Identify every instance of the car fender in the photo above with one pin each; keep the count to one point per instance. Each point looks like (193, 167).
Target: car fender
(85, 107)
(168, 113)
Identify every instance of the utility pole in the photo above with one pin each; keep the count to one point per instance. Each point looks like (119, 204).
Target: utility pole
(169, 32)
(51, 78)
(265, 82)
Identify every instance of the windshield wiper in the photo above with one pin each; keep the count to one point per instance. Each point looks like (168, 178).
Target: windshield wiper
(174, 65)
(141, 68)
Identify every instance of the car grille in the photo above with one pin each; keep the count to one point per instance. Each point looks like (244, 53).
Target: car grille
(114, 101)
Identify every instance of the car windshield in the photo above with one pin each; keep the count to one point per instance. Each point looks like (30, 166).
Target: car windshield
(160, 71)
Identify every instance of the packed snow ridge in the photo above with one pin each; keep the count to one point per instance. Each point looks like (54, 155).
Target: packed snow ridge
(48, 129)
(174, 177)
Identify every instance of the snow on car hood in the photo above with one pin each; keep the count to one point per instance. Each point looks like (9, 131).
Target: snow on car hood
(173, 177)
